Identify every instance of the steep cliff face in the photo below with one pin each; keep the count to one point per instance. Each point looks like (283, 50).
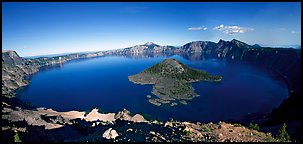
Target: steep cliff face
(145, 49)
(231, 50)
(11, 57)
(201, 47)
(284, 62)
(14, 69)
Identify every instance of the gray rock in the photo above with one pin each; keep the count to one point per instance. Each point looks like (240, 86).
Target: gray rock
(173, 104)
(129, 130)
(183, 102)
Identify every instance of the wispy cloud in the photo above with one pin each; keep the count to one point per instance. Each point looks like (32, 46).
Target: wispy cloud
(295, 32)
(197, 28)
(232, 30)
(281, 29)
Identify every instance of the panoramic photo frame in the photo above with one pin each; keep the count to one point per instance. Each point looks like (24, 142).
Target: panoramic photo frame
(151, 72)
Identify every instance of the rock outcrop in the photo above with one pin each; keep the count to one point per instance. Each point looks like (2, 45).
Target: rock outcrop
(94, 115)
(125, 115)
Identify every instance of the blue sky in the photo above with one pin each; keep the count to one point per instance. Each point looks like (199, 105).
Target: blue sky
(50, 28)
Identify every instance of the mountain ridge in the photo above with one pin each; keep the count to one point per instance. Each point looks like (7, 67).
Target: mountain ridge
(190, 45)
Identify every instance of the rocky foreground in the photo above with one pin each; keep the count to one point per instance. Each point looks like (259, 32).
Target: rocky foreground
(43, 124)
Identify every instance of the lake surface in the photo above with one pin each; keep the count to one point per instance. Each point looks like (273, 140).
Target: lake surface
(102, 82)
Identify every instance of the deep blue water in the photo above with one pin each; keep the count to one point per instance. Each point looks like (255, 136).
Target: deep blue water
(102, 82)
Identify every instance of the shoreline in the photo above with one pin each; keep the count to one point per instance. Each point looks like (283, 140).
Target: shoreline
(46, 67)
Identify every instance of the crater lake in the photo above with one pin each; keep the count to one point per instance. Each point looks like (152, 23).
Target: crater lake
(103, 82)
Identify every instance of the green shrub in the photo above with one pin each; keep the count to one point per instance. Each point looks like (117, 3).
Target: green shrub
(171, 119)
(207, 129)
(254, 126)
(17, 138)
(237, 125)
(269, 139)
(188, 133)
(283, 134)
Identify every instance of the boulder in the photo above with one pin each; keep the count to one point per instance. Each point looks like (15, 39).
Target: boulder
(110, 134)
(124, 115)
(138, 118)
(129, 130)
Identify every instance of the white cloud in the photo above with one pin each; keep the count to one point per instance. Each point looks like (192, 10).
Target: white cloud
(197, 28)
(232, 30)
(295, 32)
(282, 29)
(220, 27)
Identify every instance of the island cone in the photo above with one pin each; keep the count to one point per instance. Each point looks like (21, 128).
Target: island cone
(171, 81)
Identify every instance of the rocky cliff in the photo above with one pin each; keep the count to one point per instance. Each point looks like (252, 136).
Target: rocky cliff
(16, 69)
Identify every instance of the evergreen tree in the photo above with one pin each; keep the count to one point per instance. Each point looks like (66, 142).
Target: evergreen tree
(17, 138)
(283, 134)
(254, 126)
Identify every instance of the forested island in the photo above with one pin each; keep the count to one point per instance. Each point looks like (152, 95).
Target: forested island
(172, 81)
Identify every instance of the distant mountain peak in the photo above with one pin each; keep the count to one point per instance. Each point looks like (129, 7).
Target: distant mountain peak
(240, 43)
(149, 43)
(236, 41)
(4, 51)
(11, 57)
(11, 53)
(233, 41)
(256, 46)
(221, 41)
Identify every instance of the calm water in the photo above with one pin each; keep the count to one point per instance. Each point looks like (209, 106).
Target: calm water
(102, 82)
